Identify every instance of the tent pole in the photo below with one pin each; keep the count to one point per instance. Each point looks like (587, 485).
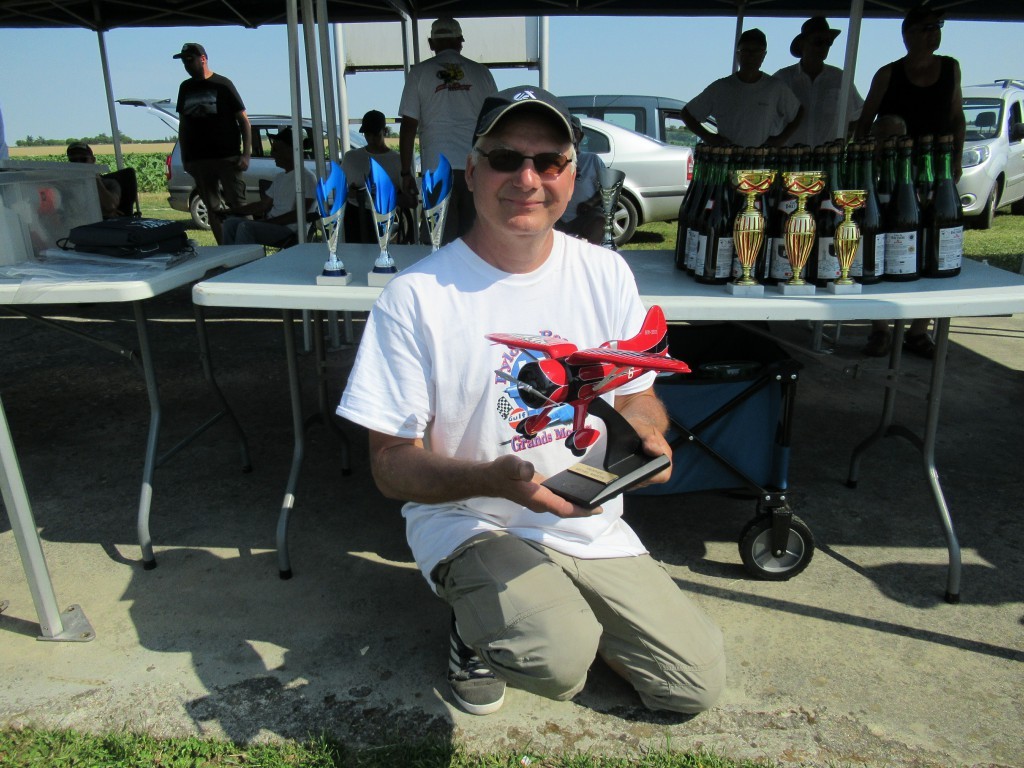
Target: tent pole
(740, 17)
(108, 88)
(330, 112)
(545, 47)
(342, 77)
(850, 65)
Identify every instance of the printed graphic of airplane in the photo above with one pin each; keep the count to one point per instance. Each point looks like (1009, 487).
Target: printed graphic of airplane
(577, 376)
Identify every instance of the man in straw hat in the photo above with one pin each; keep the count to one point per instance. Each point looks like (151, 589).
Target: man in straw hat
(817, 85)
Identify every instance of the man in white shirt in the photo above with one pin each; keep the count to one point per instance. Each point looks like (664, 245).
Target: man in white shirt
(537, 585)
(817, 85)
(442, 98)
(748, 105)
(276, 219)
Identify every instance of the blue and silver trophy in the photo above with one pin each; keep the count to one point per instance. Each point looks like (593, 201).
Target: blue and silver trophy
(330, 199)
(383, 207)
(437, 191)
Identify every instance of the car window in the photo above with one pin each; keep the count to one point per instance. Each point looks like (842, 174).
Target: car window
(631, 119)
(675, 131)
(1015, 115)
(595, 141)
(983, 117)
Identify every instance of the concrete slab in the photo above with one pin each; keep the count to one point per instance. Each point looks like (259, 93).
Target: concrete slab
(856, 661)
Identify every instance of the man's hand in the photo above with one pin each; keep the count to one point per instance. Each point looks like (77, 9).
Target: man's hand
(243, 162)
(410, 188)
(517, 481)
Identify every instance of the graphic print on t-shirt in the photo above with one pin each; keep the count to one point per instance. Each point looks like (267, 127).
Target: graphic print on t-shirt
(451, 76)
(200, 103)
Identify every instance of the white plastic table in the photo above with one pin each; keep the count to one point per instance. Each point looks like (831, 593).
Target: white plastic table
(287, 281)
(65, 282)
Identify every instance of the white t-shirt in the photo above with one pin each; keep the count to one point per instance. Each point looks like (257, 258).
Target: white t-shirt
(747, 113)
(282, 192)
(820, 99)
(425, 370)
(445, 93)
(356, 165)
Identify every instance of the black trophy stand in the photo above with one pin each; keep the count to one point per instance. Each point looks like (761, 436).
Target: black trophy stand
(625, 464)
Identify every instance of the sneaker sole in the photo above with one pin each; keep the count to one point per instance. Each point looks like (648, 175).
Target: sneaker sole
(479, 709)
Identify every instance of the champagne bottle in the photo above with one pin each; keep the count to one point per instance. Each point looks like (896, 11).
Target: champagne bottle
(823, 264)
(904, 220)
(716, 243)
(924, 184)
(711, 157)
(693, 192)
(871, 253)
(783, 205)
(944, 220)
(887, 173)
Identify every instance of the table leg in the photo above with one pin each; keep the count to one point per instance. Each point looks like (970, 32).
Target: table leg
(149, 466)
(926, 446)
(298, 447)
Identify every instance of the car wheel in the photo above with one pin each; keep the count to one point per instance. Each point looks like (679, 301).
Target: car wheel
(984, 220)
(624, 221)
(200, 218)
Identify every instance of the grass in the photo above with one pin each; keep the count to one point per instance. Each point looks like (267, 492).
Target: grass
(31, 748)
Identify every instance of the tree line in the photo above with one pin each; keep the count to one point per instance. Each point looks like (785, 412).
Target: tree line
(100, 138)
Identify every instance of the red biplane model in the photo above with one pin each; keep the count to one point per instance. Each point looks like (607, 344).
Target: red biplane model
(578, 376)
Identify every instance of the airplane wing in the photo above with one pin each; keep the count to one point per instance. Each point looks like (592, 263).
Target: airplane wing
(551, 346)
(625, 357)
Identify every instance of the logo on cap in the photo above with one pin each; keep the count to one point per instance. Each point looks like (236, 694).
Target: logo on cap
(524, 95)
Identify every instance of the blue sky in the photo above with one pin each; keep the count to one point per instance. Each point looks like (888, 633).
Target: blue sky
(52, 82)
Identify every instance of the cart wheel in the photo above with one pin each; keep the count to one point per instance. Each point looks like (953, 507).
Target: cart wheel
(756, 552)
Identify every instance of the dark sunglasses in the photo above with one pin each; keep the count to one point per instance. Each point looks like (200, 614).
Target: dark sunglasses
(508, 160)
(932, 27)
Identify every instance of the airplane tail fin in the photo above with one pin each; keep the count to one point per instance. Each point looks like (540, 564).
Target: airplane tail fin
(652, 338)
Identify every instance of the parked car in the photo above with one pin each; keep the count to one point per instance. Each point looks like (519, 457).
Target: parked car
(654, 116)
(181, 188)
(657, 174)
(993, 161)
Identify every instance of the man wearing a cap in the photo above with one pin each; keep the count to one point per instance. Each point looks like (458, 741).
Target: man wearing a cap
(108, 190)
(356, 164)
(212, 126)
(749, 106)
(275, 218)
(817, 85)
(441, 99)
(538, 587)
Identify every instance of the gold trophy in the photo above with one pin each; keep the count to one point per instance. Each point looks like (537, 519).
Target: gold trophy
(748, 229)
(799, 231)
(847, 238)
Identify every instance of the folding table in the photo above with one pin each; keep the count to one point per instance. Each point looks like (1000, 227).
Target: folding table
(287, 281)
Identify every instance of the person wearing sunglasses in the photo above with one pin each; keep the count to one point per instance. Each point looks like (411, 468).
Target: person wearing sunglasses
(817, 86)
(537, 586)
(583, 216)
(916, 95)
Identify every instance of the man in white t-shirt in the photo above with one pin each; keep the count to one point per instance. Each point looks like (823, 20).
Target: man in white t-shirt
(748, 105)
(441, 99)
(276, 220)
(817, 86)
(538, 586)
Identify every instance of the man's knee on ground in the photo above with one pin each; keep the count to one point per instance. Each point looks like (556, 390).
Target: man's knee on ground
(685, 689)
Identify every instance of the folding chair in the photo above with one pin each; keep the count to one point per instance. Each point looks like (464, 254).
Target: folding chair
(126, 178)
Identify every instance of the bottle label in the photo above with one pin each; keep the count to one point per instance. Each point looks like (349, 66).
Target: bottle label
(788, 205)
(880, 254)
(883, 199)
(828, 205)
(692, 243)
(698, 260)
(828, 262)
(723, 265)
(780, 269)
(857, 267)
(951, 248)
(901, 253)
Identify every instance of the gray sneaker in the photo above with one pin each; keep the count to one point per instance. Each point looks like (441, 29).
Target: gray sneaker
(475, 687)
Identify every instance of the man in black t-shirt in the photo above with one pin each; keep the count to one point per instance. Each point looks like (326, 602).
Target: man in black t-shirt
(212, 125)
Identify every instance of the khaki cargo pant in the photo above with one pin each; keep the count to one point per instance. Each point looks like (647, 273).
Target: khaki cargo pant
(539, 617)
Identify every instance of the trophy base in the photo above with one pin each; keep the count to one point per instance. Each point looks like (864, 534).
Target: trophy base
(379, 279)
(840, 290)
(745, 290)
(807, 289)
(588, 486)
(333, 278)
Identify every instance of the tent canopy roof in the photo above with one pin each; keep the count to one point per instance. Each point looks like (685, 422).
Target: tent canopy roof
(111, 14)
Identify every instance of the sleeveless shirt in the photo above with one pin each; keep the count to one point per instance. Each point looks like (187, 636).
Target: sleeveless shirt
(924, 109)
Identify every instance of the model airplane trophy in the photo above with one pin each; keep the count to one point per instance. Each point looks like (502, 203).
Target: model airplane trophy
(330, 199)
(564, 374)
(383, 206)
(437, 190)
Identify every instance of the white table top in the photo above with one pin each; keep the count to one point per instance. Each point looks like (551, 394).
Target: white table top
(68, 283)
(287, 280)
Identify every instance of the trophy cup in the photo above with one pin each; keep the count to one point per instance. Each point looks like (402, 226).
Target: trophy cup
(847, 238)
(383, 205)
(799, 231)
(436, 191)
(611, 185)
(330, 200)
(748, 229)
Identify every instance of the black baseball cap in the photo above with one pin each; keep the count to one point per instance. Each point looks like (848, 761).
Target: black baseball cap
(373, 122)
(190, 49)
(755, 36)
(284, 135)
(920, 14)
(522, 97)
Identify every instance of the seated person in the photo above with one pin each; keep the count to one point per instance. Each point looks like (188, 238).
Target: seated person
(356, 165)
(275, 219)
(583, 216)
(109, 190)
